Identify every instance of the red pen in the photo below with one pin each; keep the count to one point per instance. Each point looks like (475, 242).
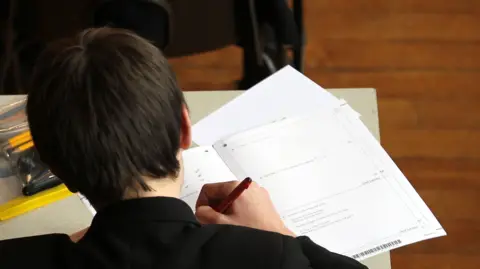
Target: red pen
(227, 202)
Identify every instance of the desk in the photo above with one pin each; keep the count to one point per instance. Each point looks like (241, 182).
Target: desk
(70, 215)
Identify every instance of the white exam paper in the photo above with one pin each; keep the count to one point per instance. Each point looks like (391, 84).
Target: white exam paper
(294, 94)
(330, 182)
(202, 165)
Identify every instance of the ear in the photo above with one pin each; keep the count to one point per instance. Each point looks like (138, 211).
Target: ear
(186, 131)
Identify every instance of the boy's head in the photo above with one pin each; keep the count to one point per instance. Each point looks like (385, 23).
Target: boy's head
(105, 113)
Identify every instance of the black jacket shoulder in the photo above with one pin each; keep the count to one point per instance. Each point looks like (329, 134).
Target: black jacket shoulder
(240, 246)
(164, 233)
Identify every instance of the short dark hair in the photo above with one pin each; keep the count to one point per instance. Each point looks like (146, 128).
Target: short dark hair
(105, 109)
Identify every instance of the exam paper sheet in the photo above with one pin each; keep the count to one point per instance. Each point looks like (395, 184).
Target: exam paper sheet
(330, 181)
(285, 93)
(202, 165)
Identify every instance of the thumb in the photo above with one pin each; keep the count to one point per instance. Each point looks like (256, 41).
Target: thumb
(207, 215)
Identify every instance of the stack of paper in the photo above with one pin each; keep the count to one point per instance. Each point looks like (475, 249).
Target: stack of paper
(327, 175)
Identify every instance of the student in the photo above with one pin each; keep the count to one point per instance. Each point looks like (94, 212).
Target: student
(107, 116)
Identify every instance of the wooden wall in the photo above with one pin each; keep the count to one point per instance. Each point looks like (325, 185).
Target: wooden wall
(423, 57)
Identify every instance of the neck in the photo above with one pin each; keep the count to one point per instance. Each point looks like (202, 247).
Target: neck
(160, 187)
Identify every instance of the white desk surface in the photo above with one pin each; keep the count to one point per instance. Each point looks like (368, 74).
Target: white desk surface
(70, 215)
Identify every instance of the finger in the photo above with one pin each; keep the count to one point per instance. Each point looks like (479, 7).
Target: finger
(215, 192)
(207, 215)
(202, 199)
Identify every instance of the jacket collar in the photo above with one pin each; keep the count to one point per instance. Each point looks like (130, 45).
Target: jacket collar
(163, 209)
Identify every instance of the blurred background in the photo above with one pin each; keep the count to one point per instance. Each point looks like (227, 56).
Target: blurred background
(422, 57)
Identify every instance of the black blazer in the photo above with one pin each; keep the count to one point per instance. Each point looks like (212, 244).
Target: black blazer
(163, 233)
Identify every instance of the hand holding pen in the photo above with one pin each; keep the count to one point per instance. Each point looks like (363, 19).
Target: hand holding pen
(239, 203)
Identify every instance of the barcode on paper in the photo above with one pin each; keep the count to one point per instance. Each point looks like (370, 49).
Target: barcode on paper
(377, 249)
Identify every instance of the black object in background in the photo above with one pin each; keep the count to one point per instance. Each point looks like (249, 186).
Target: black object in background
(34, 173)
(37, 185)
